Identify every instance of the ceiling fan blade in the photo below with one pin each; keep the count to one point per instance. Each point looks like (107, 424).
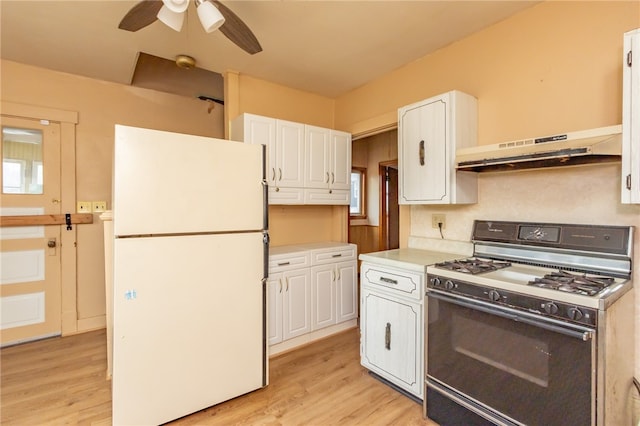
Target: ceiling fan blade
(237, 31)
(141, 15)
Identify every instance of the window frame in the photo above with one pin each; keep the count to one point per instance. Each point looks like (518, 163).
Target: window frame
(363, 193)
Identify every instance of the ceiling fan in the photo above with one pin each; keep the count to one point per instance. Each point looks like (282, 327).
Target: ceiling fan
(212, 14)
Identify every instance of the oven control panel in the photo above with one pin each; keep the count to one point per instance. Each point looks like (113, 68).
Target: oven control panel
(550, 308)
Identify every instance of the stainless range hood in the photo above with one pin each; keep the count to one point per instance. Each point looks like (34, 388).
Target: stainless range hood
(599, 145)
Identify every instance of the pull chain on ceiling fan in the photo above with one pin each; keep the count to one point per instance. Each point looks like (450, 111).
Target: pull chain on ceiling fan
(212, 15)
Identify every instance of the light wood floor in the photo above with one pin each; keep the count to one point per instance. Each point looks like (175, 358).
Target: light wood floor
(62, 381)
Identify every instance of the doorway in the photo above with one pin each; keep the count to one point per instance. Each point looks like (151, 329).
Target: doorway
(389, 210)
(30, 282)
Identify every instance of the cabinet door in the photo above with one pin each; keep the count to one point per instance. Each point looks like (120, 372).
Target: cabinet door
(296, 303)
(631, 119)
(423, 158)
(262, 131)
(340, 160)
(274, 308)
(289, 154)
(323, 287)
(391, 341)
(347, 291)
(317, 164)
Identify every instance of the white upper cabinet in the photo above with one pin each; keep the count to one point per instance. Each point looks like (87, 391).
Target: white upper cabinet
(429, 132)
(318, 157)
(305, 164)
(285, 153)
(631, 119)
(328, 163)
(340, 160)
(289, 154)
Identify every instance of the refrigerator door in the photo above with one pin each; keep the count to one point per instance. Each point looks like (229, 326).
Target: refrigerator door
(170, 183)
(188, 324)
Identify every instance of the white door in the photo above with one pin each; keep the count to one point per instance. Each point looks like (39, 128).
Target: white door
(289, 154)
(30, 290)
(423, 153)
(323, 288)
(260, 130)
(274, 308)
(347, 290)
(318, 157)
(296, 316)
(340, 160)
(391, 345)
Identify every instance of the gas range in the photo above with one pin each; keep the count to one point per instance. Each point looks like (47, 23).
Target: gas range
(532, 312)
(559, 270)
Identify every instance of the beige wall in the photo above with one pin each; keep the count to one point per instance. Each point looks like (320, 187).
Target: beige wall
(272, 100)
(552, 68)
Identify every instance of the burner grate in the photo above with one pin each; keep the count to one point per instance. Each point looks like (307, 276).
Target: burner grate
(473, 265)
(588, 285)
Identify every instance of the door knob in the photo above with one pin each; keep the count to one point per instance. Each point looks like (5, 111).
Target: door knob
(51, 243)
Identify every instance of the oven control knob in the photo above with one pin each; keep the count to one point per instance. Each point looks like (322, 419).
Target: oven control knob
(551, 308)
(435, 281)
(494, 296)
(575, 314)
(449, 285)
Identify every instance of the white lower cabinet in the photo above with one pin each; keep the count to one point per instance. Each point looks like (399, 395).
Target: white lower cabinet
(312, 292)
(289, 303)
(392, 326)
(335, 293)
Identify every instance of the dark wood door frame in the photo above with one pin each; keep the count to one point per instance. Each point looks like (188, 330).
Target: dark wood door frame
(383, 219)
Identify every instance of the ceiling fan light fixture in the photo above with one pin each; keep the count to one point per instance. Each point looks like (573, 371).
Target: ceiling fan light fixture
(210, 17)
(185, 61)
(177, 6)
(170, 18)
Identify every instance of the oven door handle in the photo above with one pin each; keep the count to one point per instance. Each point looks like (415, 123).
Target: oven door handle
(581, 333)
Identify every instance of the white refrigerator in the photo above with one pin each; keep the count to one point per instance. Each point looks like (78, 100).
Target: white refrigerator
(190, 259)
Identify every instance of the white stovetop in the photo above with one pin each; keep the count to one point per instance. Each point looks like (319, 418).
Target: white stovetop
(516, 279)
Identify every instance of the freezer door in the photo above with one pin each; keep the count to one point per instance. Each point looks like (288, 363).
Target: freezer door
(188, 324)
(169, 183)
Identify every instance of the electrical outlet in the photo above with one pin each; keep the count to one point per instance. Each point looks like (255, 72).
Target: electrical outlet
(436, 219)
(84, 206)
(98, 206)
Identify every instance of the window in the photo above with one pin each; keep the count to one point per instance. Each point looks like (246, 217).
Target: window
(22, 170)
(357, 208)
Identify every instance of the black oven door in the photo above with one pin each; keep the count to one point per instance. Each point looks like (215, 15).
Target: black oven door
(518, 368)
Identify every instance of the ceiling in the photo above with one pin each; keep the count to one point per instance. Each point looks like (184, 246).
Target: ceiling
(323, 47)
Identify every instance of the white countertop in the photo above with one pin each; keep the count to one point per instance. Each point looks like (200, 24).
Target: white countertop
(305, 247)
(408, 258)
(421, 253)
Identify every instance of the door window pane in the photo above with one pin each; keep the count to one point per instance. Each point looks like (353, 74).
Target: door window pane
(22, 167)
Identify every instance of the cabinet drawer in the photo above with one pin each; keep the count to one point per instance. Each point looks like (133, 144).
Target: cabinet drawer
(285, 195)
(288, 261)
(332, 255)
(400, 282)
(324, 196)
